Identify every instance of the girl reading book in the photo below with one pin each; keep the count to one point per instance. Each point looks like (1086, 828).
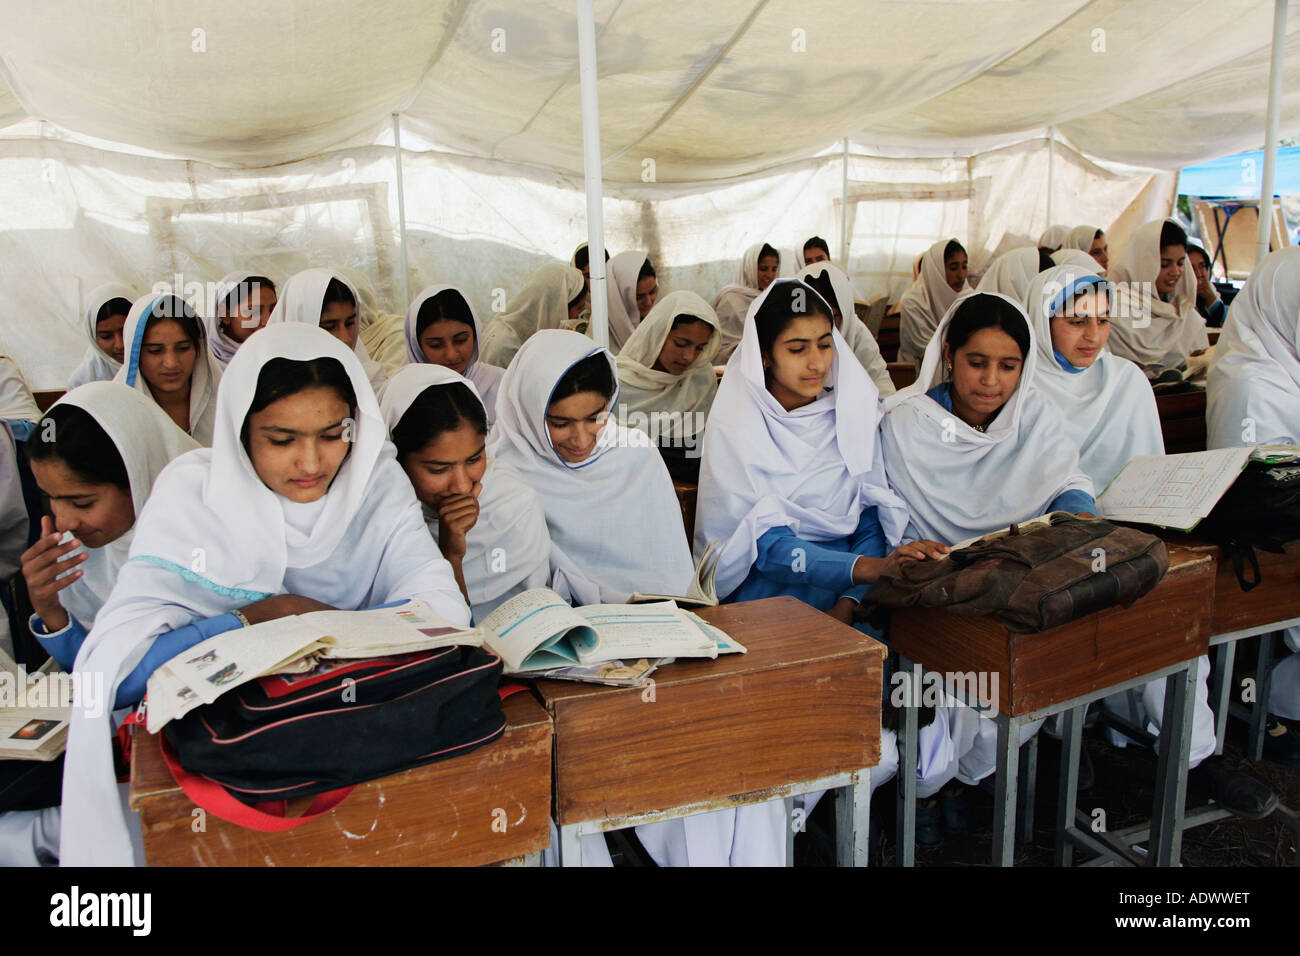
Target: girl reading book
(442, 328)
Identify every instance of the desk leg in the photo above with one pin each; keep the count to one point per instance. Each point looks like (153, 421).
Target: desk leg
(1221, 692)
(1171, 767)
(1004, 798)
(907, 746)
(570, 846)
(1071, 745)
(1263, 684)
(793, 823)
(1028, 792)
(853, 822)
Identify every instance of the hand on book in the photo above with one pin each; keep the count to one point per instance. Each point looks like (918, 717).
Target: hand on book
(869, 570)
(42, 564)
(282, 605)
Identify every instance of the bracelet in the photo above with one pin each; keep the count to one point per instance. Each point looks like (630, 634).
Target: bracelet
(243, 620)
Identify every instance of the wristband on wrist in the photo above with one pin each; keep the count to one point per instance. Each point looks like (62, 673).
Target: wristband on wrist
(243, 620)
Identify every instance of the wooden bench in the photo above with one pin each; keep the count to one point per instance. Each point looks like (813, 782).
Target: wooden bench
(487, 806)
(888, 339)
(799, 712)
(902, 374)
(46, 398)
(1182, 421)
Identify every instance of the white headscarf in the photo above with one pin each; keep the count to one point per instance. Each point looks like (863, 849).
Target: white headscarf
(622, 276)
(646, 391)
(97, 365)
(613, 518)
(814, 469)
(958, 482)
(1010, 273)
(733, 302)
(508, 550)
(924, 303)
(301, 301)
(1254, 379)
(1145, 328)
(1053, 237)
(1081, 238)
(854, 330)
(486, 378)
(213, 537)
(1107, 409)
(147, 440)
(1073, 257)
(543, 303)
(222, 345)
(203, 380)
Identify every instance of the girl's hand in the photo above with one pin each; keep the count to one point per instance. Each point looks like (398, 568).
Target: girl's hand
(920, 550)
(457, 514)
(42, 564)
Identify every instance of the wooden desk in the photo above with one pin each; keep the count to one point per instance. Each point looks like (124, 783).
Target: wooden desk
(902, 374)
(800, 712)
(1062, 670)
(1182, 421)
(44, 399)
(441, 814)
(889, 337)
(686, 497)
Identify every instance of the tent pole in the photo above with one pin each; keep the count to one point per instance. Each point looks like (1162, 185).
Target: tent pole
(591, 167)
(1051, 170)
(1271, 125)
(844, 211)
(401, 205)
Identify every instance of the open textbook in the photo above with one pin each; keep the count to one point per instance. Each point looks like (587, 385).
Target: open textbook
(1174, 491)
(34, 712)
(537, 632)
(701, 592)
(293, 644)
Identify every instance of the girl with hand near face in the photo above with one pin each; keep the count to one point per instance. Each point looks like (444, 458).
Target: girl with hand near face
(105, 316)
(299, 505)
(942, 278)
(167, 359)
(760, 265)
(487, 520)
(442, 328)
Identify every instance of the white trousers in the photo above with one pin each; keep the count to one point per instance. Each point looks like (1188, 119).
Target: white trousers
(1145, 706)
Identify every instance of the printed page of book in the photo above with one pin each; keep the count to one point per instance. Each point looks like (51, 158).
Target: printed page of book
(33, 733)
(1172, 491)
(630, 631)
(529, 631)
(726, 643)
(385, 631)
(702, 591)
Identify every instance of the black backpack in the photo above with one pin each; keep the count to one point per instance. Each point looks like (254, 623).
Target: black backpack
(1260, 510)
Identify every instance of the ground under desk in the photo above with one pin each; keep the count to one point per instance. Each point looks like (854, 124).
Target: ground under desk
(441, 814)
(800, 712)
(1060, 671)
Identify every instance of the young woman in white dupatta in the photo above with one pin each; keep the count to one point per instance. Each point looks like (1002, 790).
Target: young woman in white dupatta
(942, 278)
(300, 501)
(328, 299)
(95, 455)
(1053, 237)
(1154, 318)
(632, 290)
(104, 317)
(442, 328)
(167, 359)
(760, 264)
(554, 297)
(814, 250)
(1092, 240)
(1254, 399)
(241, 304)
(666, 379)
(488, 521)
(1010, 273)
(837, 289)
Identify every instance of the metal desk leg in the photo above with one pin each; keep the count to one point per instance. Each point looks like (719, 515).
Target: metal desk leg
(1221, 691)
(1171, 767)
(1263, 684)
(1028, 792)
(1004, 799)
(852, 822)
(907, 747)
(570, 846)
(1071, 727)
(792, 825)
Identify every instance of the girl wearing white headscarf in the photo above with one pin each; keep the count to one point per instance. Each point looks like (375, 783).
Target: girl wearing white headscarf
(1254, 398)
(553, 298)
(421, 405)
(942, 279)
(1010, 273)
(103, 357)
(442, 328)
(853, 329)
(235, 294)
(1154, 318)
(1053, 237)
(1073, 257)
(215, 537)
(307, 296)
(158, 369)
(760, 264)
(1090, 240)
(666, 377)
(627, 271)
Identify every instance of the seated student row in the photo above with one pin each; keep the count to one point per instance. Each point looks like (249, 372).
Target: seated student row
(579, 444)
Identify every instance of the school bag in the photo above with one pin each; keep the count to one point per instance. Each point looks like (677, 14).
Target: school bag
(1260, 510)
(290, 735)
(1033, 576)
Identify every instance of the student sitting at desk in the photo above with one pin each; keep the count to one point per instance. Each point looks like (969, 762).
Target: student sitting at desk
(836, 288)
(941, 279)
(487, 520)
(298, 502)
(554, 297)
(631, 288)
(1091, 240)
(442, 328)
(105, 316)
(242, 303)
(760, 264)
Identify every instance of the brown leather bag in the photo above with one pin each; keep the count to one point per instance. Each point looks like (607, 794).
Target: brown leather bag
(1035, 576)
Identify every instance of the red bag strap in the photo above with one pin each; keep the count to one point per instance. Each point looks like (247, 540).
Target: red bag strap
(214, 798)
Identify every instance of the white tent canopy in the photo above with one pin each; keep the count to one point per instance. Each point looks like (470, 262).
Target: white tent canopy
(140, 141)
